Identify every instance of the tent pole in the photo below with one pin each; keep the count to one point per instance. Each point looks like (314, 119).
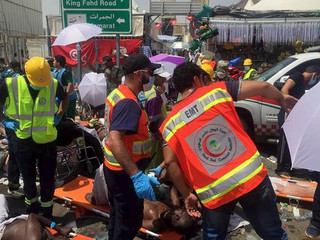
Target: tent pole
(118, 49)
(79, 62)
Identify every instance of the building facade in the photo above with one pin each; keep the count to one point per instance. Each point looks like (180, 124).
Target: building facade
(19, 20)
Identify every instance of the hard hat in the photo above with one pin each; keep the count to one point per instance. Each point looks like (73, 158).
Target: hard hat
(247, 62)
(208, 69)
(38, 71)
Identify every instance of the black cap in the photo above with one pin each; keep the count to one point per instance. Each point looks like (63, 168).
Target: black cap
(137, 62)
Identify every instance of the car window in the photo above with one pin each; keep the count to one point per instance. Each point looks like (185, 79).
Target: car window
(302, 67)
(269, 73)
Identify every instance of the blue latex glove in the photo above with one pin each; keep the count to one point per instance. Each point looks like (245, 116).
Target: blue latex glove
(10, 124)
(57, 120)
(142, 185)
(157, 171)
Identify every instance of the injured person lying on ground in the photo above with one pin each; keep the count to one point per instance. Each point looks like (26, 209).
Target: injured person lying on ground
(31, 227)
(157, 216)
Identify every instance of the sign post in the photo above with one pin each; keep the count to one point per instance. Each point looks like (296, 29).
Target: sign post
(113, 16)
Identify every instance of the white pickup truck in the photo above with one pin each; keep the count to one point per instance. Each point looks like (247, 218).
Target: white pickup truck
(259, 116)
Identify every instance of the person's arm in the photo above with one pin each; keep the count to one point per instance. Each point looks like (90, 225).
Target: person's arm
(173, 168)
(34, 220)
(120, 152)
(266, 90)
(175, 197)
(64, 98)
(90, 65)
(116, 79)
(287, 86)
(3, 95)
(68, 78)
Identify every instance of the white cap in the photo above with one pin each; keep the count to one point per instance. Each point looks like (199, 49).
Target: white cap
(162, 72)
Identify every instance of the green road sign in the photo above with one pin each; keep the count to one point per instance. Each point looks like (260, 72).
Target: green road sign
(113, 16)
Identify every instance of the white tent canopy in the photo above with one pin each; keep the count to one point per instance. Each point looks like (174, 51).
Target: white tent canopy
(278, 5)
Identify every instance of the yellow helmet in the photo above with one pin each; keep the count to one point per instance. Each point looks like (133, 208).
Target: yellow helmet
(208, 69)
(247, 62)
(38, 71)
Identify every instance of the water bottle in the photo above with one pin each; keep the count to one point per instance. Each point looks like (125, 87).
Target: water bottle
(285, 213)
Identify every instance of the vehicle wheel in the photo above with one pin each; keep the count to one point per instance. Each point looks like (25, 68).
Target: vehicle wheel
(246, 127)
(67, 165)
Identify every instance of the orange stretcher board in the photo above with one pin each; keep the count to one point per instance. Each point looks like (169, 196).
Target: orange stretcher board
(76, 237)
(291, 188)
(75, 192)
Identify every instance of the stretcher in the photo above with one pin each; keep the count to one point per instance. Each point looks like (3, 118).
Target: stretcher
(73, 236)
(75, 191)
(294, 189)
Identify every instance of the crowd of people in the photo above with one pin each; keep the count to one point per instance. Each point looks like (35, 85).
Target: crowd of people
(210, 160)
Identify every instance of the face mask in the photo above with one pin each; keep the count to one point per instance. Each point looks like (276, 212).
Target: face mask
(141, 96)
(35, 87)
(221, 75)
(246, 68)
(312, 81)
(147, 85)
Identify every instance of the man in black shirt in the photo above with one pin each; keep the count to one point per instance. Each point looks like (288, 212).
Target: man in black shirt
(294, 86)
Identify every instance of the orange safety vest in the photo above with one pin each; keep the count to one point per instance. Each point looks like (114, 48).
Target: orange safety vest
(216, 156)
(139, 144)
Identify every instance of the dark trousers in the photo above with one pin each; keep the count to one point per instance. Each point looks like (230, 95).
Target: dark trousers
(283, 153)
(126, 209)
(13, 169)
(315, 220)
(260, 207)
(29, 154)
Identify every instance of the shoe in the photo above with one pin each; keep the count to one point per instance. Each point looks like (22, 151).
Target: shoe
(15, 194)
(312, 231)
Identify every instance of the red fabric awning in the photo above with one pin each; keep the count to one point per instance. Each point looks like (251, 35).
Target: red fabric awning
(105, 47)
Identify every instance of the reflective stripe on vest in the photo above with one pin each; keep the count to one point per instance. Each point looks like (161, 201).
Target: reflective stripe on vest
(110, 158)
(247, 75)
(231, 180)
(193, 110)
(151, 93)
(42, 131)
(115, 96)
(141, 147)
(138, 147)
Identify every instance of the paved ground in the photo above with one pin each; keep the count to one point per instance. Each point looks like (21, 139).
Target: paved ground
(94, 225)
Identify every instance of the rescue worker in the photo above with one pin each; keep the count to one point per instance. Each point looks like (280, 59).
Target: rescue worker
(294, 86)
(65, 78)
(250, 72)
(50, 60)
(31, 112)
(13, 169)
(156, 107)
(127, 150)
(208, 77)
(13, 70)
(208, 149)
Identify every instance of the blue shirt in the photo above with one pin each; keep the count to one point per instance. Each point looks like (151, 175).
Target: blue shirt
(126, 116)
